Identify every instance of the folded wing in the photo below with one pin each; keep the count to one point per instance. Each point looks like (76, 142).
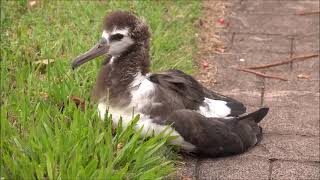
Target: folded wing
(197, 97)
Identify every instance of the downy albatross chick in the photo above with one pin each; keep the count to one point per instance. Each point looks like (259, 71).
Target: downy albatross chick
(204, 121)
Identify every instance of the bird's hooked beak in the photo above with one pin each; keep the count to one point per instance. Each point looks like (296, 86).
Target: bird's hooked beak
(102, 47)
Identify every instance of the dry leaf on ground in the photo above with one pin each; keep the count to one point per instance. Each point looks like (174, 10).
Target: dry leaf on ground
(80, 103)
(44, 61)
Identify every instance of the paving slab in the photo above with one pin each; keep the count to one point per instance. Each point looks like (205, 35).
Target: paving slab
(257, 58)
(284, 147)
(309, 67)
(294, 82)
(273, 24)
(227, 78)
(299, 6)
(243, 86)
(306, 44)
(288, 121)
(258, 6)
(250, 43)
(293, 99)
(283, 117)
(247, 88)
(279, 7)
(187, 170)
(247, 97)
(295, 170)
(234, 168)
(232, 79)
(303, 76)
(289, 147)
(262, 32)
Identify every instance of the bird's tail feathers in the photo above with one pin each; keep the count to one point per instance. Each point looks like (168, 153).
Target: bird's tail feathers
(257, 116)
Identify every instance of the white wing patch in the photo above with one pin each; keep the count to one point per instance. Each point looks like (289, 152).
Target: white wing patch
(214, 108)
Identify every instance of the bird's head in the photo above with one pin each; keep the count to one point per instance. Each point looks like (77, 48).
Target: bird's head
(121, 31)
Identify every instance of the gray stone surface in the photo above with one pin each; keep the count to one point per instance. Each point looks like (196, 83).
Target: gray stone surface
(249, 98)
(292, 99)
(262, 32)
(282, 120)
(251, 43)
(225, 78)
(273, 24)
(234, 168)
(278, 7)
(258, 6)
(308, 67)
(303, 76)
(258, 58)
(295, 170)
(285, 148)
(283, 117)
(289, 147)
(294, 83)
(187, 169)
(299, 6)
(306, 44)
(230, 79)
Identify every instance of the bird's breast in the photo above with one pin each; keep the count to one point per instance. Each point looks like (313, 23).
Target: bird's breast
(142, 98)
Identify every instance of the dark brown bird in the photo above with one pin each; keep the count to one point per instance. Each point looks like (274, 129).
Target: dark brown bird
(204, 122)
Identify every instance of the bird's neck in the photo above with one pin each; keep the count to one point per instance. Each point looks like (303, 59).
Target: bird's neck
(133, 61)
(117, 75)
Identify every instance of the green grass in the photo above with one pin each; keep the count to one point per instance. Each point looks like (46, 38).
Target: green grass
(43, 134)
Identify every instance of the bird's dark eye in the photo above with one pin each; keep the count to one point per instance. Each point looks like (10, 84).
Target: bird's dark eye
(116, 37)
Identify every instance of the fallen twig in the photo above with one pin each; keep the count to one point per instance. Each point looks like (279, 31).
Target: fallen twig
(293, 59)
(261, 74)
(308, 13)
